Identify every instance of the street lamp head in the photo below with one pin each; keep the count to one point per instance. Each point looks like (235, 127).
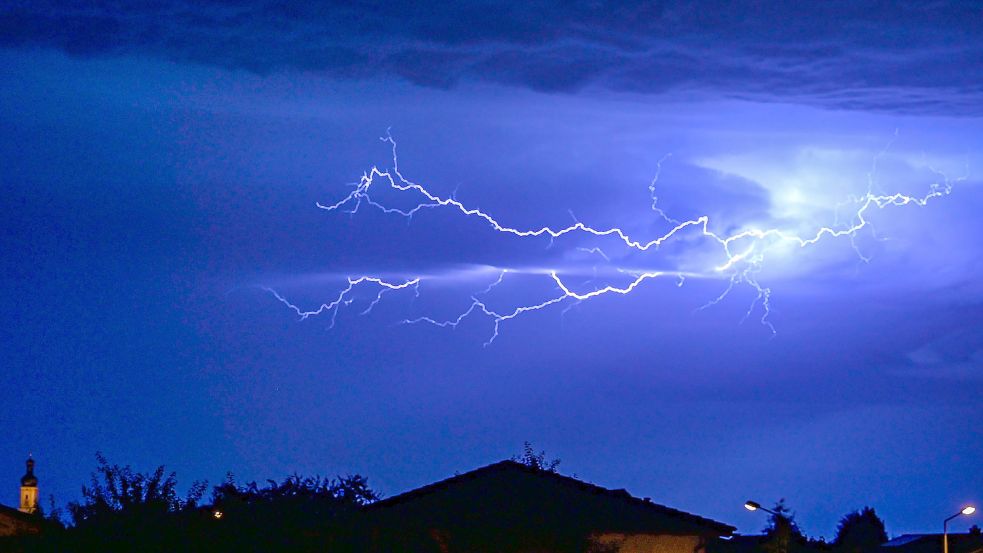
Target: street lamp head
(967, 510)
(751, 505)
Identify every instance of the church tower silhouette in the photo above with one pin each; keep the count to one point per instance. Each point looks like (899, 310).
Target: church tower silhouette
(29, 489)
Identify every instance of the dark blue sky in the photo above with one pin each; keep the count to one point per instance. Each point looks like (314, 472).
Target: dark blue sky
(161, 166)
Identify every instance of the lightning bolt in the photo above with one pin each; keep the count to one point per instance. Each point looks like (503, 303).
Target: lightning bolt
(742, 253)
(345, 297)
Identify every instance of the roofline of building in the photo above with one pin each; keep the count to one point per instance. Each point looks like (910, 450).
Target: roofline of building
(928, 535)
(717, 527)
(16, 513)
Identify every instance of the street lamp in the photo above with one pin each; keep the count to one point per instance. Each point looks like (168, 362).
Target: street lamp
(967, 510)
(779, 519)
(754, 506)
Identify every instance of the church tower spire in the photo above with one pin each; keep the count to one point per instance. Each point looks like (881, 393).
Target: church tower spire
(29, 489)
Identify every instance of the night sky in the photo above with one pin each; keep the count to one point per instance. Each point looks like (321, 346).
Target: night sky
(161, 167)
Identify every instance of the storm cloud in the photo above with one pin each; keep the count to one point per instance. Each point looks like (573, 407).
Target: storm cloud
(906, 57)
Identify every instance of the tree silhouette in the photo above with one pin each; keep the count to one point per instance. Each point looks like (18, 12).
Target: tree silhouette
(117, 492)
(125, 510)
(535, 460)
(860, 531)
(350, 490)
(122, 510)
(783, 534)
(297, 514)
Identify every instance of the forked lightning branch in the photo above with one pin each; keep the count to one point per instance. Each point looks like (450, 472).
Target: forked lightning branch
(739, 262)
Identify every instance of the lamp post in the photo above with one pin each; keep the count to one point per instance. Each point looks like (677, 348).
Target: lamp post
(782, 540)
(967, 510)
(754, 506)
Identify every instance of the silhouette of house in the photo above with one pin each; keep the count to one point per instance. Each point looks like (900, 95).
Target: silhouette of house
(763, 543)
(738, 544)
(510, 506)
(15, 523)
(971, 542)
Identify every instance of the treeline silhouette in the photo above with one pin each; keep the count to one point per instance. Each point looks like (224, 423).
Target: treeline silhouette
(859, 531)
(122, 510)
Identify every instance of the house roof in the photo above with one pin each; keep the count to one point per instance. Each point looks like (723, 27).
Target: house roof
(14, 522)
(737, 544)
(932, 543)
(15, 513)
(903, 540)
(510, 488)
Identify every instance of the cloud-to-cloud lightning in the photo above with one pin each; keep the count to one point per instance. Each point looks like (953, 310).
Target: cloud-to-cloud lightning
(741, 254)
(344, 296)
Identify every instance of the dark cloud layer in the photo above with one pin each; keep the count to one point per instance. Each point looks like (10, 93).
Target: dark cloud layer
(911, 57)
